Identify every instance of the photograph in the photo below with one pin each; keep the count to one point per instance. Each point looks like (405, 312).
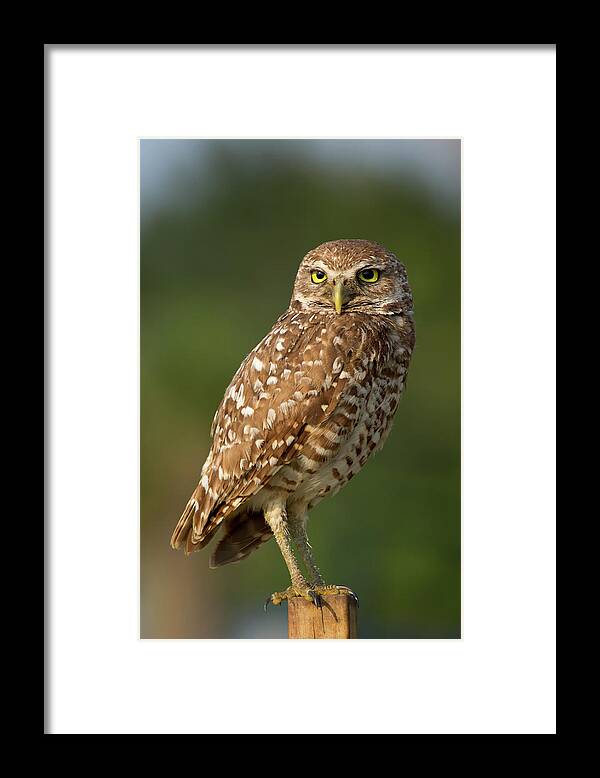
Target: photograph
(300, 325)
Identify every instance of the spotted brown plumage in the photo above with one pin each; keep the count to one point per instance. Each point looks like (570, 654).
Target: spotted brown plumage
(307, 407)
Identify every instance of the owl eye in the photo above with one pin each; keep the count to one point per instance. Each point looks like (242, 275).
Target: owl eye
(369, 274)
(318, 276)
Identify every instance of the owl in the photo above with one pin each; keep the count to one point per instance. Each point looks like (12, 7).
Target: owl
(306, 409)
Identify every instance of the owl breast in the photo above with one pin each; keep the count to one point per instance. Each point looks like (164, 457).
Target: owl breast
(371, 401)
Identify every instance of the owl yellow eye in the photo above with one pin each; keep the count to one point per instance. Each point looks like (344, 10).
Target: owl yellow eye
(369, 274)
(318, 276)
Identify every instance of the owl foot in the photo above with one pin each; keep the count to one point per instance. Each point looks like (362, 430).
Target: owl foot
(326, 589)
(313, 594)
(293, 591)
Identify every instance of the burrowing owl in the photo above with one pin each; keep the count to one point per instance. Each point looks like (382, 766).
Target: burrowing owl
(305, 410)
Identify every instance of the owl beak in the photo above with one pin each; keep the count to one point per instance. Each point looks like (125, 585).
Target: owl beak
(339, 295)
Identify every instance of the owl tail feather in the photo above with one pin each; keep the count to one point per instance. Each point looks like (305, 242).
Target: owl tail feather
(182, 534)
(183, 526)
(242, 535)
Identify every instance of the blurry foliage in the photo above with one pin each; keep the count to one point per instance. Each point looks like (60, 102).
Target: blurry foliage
(217, 269)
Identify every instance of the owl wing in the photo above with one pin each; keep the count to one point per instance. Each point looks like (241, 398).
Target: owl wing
(296, 394)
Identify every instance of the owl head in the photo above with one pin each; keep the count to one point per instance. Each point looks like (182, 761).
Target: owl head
(347, 276)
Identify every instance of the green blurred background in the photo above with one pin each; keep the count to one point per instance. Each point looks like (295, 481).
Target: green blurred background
(224, 225)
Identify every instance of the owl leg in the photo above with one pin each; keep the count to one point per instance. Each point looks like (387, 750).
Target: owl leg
(276, 518)
(298, 524)
(300, 538)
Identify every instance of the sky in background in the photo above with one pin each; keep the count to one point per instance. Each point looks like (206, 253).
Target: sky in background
(173, 168)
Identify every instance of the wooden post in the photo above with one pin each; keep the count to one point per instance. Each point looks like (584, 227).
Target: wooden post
(336, 619)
